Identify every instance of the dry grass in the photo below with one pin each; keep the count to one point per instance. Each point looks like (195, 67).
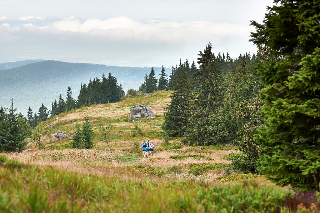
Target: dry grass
(120, 156)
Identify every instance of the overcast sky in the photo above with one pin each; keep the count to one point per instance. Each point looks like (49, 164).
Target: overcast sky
(125, 32)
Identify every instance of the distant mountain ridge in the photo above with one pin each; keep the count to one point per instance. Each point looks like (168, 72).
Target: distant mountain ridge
(10, 65)
(43, 81)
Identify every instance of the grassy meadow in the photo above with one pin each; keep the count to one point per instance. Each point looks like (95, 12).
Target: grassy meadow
(114, 177)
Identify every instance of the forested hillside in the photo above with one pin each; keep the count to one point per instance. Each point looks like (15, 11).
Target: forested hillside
(42, 82)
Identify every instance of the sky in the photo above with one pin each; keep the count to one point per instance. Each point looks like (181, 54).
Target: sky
(126, 32)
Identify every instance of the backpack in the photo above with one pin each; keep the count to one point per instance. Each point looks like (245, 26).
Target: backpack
(144, 145)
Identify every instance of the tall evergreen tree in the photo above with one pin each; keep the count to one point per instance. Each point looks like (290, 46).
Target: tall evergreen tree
(163, 81)
(178, 112)
(87, 133)
(61, 105)
(151, 83)
(70, 102)
(13, 130)
(193, 68)
(30, 117)
(43, 113)
(83, 97)
(83, 138)
(204, 123)
(289, 42)
(54, 108)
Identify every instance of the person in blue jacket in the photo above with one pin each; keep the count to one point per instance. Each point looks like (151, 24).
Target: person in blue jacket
(144, 149)
(147, 148)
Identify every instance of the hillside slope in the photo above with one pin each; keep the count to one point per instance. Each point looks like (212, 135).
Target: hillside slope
(114, 177)
(122, 148)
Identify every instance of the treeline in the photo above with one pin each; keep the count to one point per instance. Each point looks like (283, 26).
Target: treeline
(217, 103)
(98, 91)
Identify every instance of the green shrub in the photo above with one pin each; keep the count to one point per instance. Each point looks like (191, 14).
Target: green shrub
(137, 131)
(3, 159)
(13, 164)
(199, 169)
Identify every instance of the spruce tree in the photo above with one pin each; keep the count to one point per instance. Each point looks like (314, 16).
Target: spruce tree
(151, 83)
(43, 113)
(178, 112)
(77, 139)
(193, 69)
(163, 81)
(83, 99)
(289, 41)
(204, 124)
(54, 108)
(61, 105)
(70, 102)
(13, 131)
(87, 134)
(30, 116)
(83, 137)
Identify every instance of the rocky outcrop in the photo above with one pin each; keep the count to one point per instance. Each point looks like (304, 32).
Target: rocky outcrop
(61, 136)
(140, 111)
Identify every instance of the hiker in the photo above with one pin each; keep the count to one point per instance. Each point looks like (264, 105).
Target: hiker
(151, 148)
(144, 149)
(147, 148)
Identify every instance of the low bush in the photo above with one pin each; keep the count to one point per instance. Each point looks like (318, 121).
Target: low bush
(3, 159)
(13, 164)
(200, 169)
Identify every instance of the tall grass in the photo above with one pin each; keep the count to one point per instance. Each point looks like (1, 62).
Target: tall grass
(32, 189)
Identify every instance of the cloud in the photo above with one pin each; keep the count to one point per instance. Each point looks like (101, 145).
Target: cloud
(121, 40)
(30, 18)
(2, 18)
(5, 25)
(124, 28)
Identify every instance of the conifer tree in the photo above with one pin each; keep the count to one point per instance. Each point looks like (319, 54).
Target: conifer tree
(43, 113)
(83, 99)
(178, 112)
(289, 41)
(83, 138)
(61, 105)
(151, 83)
(13, 130)
(70, 102)
(171, 77)
(204, 123)
(87, 134)
(193, 69)
(54, 108)
(77, 139)
(30, 116)
(163, 81)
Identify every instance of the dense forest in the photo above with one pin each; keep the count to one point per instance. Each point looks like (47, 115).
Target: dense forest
(278, 130)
